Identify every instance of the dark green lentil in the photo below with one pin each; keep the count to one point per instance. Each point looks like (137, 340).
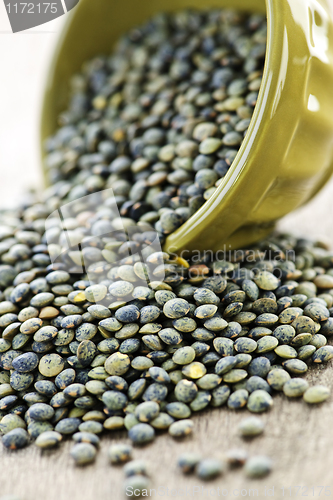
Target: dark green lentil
(236, 457)
(259, 401)
(83, 453)
(91, 426)
(136, 483)
(316, 394)
(141, 434)
(323, 354)
(113, 423)
(35, 428)
(16, 439)
(251, 426)
(162, 421)
(277, 378)
(295, 366)
(147, 411)
(188, 314)
(120, 453)
(41, 411)
(258, 466)
(178, 410)
(209, 468)
(238, 399)
(234, 376)
(48, 439)
(295, 387)
(68, 425)
(255, 383)
(188, 461)
(10, 422)
(181, 428)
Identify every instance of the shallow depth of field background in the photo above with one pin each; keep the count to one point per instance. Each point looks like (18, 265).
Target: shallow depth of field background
(24, 60)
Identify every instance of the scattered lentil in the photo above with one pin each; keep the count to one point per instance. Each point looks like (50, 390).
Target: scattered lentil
(258, 466)
(209, 468)
(251, 426)
(316, 394)
(166, 147)
(83, 453)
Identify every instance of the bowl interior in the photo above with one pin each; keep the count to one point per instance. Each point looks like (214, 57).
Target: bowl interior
(92, 28)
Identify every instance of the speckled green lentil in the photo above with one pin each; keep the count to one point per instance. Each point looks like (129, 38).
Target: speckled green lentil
(141, 434)
(277, 378)
(185, 391)
(295, 387)
(235, 375)
(83, 453)
(178, 410)
(305, 352)
(10, 422)
(192, 325)
(238, 399)
(266, 344)
(188, 461)
(147, 411)
(41, 411)
(209, 468)
(68, 425)
(295, 366)
(184, 355)
(51, 365)
(135, 468)
(245, 346)
(86, 437)
(286, 352)
(91, 426)
(255, 383)
(236, 457)
(316, 394)
(259, 401)
(117, 364)
(48, 439)
(120, 453)
(162, 421)
(323, 354)
(15, 439)
(258, 466)
(136, 483)
(181, 428)
(251, 426)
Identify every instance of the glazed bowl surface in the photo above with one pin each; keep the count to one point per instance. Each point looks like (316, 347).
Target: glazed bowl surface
(287, 153)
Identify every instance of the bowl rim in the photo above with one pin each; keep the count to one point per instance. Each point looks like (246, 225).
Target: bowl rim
(238, 166)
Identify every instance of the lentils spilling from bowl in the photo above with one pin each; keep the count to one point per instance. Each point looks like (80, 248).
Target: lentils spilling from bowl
(161, 120)
(78, 358)
(114, 334)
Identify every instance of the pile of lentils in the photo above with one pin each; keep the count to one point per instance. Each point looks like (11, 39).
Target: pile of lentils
(126, 343)
(162, 119)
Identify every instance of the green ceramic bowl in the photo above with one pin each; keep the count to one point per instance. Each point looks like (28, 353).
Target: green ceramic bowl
(287, 154)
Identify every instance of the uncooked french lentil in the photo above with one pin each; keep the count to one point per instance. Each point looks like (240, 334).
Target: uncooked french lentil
(316, 394)
(251, 426)
(119, 453)
(159, 123)
(209, 468)
(83, 453)
(188, 461)
(258, 466)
